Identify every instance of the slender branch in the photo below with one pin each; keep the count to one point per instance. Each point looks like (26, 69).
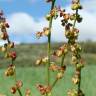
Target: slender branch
(49, 43)
(79, 84)
(62, 63)
(79, 76)
(15, 78)
(62, 60)
(54, 83)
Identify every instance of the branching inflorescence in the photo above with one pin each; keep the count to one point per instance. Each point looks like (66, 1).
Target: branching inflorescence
(11, 55)
(71, 33)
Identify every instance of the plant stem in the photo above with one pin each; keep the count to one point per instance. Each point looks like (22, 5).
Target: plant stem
(49, 43)
(62, 60)
(62, 63)
(54, 83)
(75, 19)
(19, 91)
(79, 84)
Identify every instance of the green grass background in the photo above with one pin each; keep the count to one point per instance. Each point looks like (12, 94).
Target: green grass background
(31, 74)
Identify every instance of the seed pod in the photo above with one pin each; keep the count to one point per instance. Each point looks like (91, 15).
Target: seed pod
(3, 49)
(28, 92)
(75, 80)
(74, 60)
(19, 84)
(39, 34)
(45, 59)
(4, 36)
(7, 55)
(39, 61)
(46, 31)
(7, 25)
(11, 45)
(59, 53)
(59, 75)
(13, 55)
(13, 90)
(48, 17)
(79, 66)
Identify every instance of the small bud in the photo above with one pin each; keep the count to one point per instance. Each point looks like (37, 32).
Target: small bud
(11, 45)
(54, 67)
(48, 17)
(13, 90)
(39, 34)
(79, 66)
(46, 31)
(75, 80)
(3, 49)
(59, 53)
(19, 84)
(45, 60)
(39, 61)
(76, 6)
(4, 36)
(74, 60)
(59, 75)
(13, 55)
(7, 25)
(28, 92)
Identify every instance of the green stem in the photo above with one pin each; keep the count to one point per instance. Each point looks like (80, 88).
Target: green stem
(19, 91)
(79, 84)
(62, 60)
(75, 19)
(54, 83)
(49, 43)
(62, 63)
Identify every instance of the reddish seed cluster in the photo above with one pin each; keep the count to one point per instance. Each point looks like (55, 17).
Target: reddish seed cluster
(71, 33)
(42, 61)
(28, 92)
(45, 32)
(62, 50)
(18, 85)
(10, 70)
(43, 89)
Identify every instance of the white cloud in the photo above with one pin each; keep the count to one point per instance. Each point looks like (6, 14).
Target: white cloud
(23, 23)
(89, 5)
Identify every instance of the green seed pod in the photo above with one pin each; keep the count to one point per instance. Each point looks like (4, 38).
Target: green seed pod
(48, 17)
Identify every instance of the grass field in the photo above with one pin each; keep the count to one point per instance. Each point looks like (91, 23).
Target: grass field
(27, 54)
(31, 76)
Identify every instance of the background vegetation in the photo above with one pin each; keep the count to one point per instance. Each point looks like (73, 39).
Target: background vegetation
(27, 55)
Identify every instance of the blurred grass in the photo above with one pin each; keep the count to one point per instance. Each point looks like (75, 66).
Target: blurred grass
(31, 76)
(27, 54)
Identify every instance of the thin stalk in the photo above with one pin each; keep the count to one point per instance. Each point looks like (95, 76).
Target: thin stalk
(49, 43)
(62, 60)
(79, 84)
(19, 91)
(54, 83)
(62, 63)
(75, 19)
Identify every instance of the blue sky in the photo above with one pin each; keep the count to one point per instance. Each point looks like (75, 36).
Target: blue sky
(32, 7)
(26, 17)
